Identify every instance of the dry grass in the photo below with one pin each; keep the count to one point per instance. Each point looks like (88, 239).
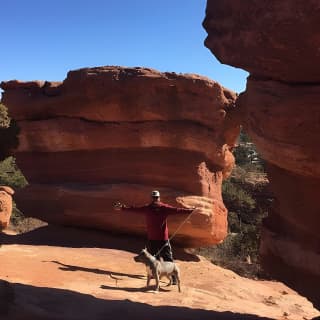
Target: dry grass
(24, 225)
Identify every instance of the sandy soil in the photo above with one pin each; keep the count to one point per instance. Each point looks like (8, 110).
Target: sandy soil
(65, 273)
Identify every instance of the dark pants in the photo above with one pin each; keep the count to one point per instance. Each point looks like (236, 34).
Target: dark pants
(154, 246)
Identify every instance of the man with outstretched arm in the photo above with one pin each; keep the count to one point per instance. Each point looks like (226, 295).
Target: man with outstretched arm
(156, 214)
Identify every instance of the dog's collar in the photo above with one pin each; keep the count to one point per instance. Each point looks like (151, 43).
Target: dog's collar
(153, 257)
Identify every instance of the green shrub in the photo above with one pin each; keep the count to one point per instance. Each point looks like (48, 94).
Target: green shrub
(248, 201)
(10, 175)
(8, 134)
(16, 216)
(234, 225)
(236, 198)
(4, 118)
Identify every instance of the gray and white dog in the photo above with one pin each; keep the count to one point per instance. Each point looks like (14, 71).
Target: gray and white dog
(158, 269)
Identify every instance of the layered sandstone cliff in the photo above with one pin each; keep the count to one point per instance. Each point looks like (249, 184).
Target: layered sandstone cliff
(278, 43)
(113, 134)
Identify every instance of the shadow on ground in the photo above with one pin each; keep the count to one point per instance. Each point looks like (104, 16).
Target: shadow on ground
(24, 302)
(51, 235)
(112, 274)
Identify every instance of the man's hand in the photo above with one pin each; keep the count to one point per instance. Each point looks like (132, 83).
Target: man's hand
(118, 206)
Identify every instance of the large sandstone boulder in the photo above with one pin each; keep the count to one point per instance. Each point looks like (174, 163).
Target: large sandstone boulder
(5, 206)
(270, 39)
(278, 43)
(113, 134)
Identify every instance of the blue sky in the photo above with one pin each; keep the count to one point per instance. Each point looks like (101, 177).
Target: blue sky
(43, 40)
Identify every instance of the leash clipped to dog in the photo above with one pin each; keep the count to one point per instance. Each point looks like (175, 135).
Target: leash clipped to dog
(173, 235)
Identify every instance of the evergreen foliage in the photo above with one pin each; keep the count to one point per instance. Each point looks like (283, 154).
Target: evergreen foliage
(10, 175)
(247, 199)
(8, 134)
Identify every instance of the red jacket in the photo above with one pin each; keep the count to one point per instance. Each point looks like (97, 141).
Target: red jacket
(156, 218)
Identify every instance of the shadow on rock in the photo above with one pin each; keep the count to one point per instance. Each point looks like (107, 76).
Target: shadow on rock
(128, 289)
(32, 302)
(112, 274)
(82, 238)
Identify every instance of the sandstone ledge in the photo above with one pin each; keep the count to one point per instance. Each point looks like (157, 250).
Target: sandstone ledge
(92, 206)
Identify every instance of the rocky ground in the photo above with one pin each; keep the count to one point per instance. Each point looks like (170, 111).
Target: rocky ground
(65, 273)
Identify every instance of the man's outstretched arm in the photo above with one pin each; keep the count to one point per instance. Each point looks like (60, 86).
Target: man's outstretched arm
(123, 207)
(175, 210)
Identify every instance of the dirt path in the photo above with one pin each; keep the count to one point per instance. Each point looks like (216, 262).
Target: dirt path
(64, 273)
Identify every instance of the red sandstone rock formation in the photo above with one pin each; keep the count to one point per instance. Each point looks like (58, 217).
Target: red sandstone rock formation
(272, 39)
(111, 133)
(278, 43)
(5, 206)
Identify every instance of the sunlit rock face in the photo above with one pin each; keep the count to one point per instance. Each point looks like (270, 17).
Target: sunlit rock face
(272, 39)
(114, 134)
(278, 43)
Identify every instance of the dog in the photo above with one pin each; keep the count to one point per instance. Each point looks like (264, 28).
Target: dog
(158, 269)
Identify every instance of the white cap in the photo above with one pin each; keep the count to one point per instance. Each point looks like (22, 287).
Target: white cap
(155, 193)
